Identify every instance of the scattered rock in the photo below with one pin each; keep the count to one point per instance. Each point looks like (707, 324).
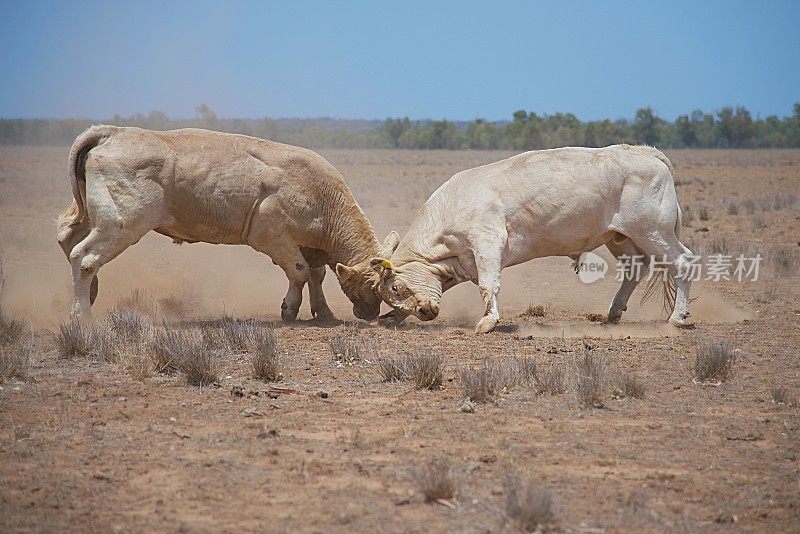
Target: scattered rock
(252, 412)
(488, 458)
(273, 394)
(468, 406)
(237, 391)
(323, 394)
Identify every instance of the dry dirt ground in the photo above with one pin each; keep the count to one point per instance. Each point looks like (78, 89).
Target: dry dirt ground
(93, 445)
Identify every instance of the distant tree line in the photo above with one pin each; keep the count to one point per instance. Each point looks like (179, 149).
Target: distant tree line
(728, 127)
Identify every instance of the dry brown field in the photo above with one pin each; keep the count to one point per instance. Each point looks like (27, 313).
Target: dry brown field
(106, 442)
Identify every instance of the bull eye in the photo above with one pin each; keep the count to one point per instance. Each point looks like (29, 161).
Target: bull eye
(394, 289)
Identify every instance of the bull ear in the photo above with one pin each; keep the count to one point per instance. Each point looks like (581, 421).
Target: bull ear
(381, 266)
(343, 272)
(390, 243)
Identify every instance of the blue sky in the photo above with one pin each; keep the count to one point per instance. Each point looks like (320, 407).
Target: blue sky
(457, 60)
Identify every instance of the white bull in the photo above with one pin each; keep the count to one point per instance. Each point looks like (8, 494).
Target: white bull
(201, 186)
(559, 202)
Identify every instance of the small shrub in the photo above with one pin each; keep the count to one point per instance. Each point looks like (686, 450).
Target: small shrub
(757, 223)
(732, 207)
(127, 325)
(11, 329)
(483, 383)
(552, 381)
(750, 205)
(435, 480)
(425, 370)
(626, 385)
(263, 345)
(139, 300)
(534, 311)
(166, 350)
(784, 262)
(237, 334)
(530, 506)
(526, 371)
(589, 378)
(349, 347)
(702, 211)
(75, 339)
(139, 366)
(782, 396)
(687, 216)
(718, 245)
(714, 361)
(15, 361)
(195, 359)
(393, 368)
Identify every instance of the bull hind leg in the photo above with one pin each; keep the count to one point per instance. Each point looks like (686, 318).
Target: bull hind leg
(87, 257)
(666, 247)
(623, 248)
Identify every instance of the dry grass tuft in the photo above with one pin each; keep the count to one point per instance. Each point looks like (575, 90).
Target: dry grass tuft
(199, 365)
(702, 211)
(263, 345)
(435, 480)
(11, 329)
(528, 505)
(714, 361)
(782, 396)
(350, 347)
(139, 300)
(784, 261)
(184, 350)
(687, 216)
(15, 361)
(534, 311)
(481, 384)
(75, 339)
(552, 381)
(589, 378)
(627, 385)
(237, 334)
(732, 207)
(393, 368)
(128, 325)
(425, 370)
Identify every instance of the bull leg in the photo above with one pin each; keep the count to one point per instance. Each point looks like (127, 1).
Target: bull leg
(319, 307)
(629, 281)
(288, 257)
(489, 264)
(98, 248)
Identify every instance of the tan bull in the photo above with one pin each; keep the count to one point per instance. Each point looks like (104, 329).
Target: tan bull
(200, 186)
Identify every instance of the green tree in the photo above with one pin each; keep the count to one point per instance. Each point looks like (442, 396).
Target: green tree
(734, 128)
(646, 126)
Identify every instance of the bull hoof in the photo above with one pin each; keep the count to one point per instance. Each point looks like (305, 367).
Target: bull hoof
(324, 315)
(288, 316)
(486, 325)
(679, 320)
(614, 317)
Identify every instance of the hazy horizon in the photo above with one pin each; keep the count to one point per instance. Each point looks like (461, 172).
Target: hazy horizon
(369, 61)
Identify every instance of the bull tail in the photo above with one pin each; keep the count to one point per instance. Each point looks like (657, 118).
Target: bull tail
(664, 280)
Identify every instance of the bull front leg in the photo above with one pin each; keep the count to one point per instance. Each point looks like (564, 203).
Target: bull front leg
(489, 264)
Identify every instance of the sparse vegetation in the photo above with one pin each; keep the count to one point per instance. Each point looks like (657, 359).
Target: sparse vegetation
(425, 370)
(534, 311)
(782, 396)
(263, 345)
(757, 223)
(11, 329)
(15, 361)
(627, 385)
(139, 300)
(393, 368)
(349, 348)
(552, 381)
(750, 205)
(784, 261)
(714, 361)
(237, 334)
(127, 325)
(687, 215)
(732, 207)
(589, 378)
(527, 504)
(435, 480)
(702, 211)
(483, 383)
(76, 339)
